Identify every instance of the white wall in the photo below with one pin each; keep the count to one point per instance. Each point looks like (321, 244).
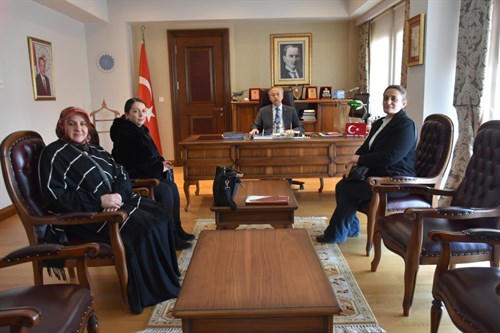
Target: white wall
(430, 86)
(18, 109)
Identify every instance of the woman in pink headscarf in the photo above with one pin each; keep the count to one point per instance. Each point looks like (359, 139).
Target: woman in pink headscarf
(76, 175)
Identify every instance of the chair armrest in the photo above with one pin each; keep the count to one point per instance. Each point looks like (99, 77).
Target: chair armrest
(20, 317)
(411, 189)
(118, 216)
(72, 218)
(48, 251)
(145, 182)
(475, 235)
(400, 180)
(452, 213)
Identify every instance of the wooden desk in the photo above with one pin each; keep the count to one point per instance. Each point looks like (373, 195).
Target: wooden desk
(256, 281)
(265, 159)
(279, 216)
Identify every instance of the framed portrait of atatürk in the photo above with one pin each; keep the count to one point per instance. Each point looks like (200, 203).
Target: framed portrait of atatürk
(291, 59)
(42, 69)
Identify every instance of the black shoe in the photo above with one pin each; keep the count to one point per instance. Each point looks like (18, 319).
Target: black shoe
(185, 235)
(181, 244)
(324, 239)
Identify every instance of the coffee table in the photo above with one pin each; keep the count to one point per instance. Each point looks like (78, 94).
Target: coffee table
(279, 216)
(256, 281)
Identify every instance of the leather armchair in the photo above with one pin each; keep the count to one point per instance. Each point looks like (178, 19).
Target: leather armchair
(63, 307)
(432, 158)
(474, 204)
(471, 294)
(19, 155)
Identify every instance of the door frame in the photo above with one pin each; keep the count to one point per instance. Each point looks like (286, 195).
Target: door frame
(172, 36)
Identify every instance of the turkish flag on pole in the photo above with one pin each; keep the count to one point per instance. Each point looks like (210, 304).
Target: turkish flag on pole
(146, 94)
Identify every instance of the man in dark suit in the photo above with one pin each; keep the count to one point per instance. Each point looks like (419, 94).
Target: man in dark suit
(291, 64)
(42, 81)
(276, 117)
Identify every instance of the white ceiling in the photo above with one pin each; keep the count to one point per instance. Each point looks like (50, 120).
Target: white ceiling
(97, 11)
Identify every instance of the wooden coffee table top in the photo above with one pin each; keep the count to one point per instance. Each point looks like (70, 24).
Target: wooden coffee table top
(255, 272)
(262, 187)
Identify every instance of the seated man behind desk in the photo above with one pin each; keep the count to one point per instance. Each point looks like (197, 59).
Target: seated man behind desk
(276, 117)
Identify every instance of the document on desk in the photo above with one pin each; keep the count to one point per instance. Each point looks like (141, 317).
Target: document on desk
(267, 200)
(262, 137)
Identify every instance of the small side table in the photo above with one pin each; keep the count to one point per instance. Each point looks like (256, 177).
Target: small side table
(279, 216)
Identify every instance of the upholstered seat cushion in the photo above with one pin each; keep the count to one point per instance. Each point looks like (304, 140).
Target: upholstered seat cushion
(60, 295)
(398, 230)
(473, 291)
(398, 205)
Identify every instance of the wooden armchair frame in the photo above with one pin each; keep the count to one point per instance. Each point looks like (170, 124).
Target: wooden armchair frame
(20, 152)
(24, 307)
(477, 309)
(433, 156)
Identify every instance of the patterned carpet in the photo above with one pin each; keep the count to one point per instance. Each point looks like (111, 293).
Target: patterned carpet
(356, 316)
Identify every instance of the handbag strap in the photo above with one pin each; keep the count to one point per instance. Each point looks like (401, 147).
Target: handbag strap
(229, 195)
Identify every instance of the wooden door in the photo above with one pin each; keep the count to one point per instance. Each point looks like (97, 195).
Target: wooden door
(199, 65)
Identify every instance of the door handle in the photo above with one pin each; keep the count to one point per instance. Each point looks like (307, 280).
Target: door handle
(221, 110)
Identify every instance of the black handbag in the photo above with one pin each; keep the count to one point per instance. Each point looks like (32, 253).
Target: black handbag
(225, 186)
(358, 173)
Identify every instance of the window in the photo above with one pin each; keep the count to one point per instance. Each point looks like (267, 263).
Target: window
(386, 54)
(492, 82)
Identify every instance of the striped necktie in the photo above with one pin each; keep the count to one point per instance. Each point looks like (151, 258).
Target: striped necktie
(277, 120)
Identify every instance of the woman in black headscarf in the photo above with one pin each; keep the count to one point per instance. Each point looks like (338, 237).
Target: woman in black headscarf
(78, 176)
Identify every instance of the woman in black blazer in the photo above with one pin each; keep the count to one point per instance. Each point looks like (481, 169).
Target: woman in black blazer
(134, 148)
(389, 150)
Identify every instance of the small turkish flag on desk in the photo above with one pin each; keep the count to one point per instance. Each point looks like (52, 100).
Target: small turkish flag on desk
(355, 129)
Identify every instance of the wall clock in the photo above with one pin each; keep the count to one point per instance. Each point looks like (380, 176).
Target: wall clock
(106, 62)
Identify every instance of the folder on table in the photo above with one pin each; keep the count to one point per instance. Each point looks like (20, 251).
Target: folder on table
(267, 200)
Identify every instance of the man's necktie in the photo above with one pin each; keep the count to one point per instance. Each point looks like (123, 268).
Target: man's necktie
(277, 120)
(44, 85)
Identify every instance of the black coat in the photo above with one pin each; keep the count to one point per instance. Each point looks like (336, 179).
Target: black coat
(134, 148)
(393, 151)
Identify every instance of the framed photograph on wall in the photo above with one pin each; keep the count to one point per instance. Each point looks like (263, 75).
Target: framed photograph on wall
(415, 40)
(254, 94)
(42, 69)
(291, 59)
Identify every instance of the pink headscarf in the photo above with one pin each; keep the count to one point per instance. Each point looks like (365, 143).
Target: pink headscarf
(65, 114)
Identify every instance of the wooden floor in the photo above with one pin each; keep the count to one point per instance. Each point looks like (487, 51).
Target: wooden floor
(383, 289)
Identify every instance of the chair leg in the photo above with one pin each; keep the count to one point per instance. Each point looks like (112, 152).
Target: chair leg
(321, 185)
(93, 324)
(377, 246)
(71, 272)
(410, 277)
(436, 313)
(371, 218)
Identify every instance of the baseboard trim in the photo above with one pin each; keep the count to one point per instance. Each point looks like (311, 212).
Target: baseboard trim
(7, 211)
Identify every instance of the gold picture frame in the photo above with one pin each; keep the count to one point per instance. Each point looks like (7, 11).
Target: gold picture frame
(42, 69)
(415, 40)
(289, 50)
